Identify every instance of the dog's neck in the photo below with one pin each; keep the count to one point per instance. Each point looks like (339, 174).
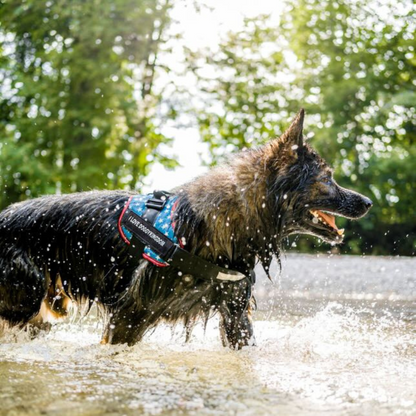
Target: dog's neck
(224, 215)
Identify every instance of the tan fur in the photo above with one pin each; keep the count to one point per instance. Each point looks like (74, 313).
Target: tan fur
(55, 306)
(239, 189)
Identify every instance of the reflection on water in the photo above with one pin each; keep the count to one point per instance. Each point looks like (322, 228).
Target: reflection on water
(314, 355)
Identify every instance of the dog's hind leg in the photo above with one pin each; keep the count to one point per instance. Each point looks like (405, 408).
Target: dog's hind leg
(127, 326)
(22, 287)
(55, 306)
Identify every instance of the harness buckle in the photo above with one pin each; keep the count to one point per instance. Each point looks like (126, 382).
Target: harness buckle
(157, 204)
(158, 201)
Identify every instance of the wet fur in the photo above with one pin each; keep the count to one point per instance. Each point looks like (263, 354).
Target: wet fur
(63, 250)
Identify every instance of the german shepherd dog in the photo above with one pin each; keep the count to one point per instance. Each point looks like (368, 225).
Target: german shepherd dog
(58, 251)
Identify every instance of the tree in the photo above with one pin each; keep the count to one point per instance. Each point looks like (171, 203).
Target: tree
(77, 103)
(243, 87)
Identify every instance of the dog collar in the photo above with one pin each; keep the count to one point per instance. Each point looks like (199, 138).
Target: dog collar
(146, 224)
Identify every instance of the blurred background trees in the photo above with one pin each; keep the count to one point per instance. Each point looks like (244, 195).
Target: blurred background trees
(81, 108)
(77, 105)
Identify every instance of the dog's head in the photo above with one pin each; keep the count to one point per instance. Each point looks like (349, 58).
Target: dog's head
(303, 196)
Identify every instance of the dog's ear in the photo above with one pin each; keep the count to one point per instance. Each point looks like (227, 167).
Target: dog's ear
(294, 134)
(285, 149)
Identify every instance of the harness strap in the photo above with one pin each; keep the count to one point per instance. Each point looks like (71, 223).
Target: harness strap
(189, 264)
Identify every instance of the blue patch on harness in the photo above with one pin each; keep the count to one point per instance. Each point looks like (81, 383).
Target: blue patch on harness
(163, 221)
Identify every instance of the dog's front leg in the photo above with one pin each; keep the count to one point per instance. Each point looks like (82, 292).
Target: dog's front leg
(236, 326)
(237, 333)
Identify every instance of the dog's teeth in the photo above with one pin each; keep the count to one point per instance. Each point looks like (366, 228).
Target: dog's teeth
(341, 231)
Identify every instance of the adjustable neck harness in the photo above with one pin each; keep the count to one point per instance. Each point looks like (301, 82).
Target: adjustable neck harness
(146, 224)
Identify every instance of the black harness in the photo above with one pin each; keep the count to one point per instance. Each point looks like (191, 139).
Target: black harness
(144, 235)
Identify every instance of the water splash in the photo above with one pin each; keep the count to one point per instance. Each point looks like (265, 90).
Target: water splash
(337, 359)
(341, 356)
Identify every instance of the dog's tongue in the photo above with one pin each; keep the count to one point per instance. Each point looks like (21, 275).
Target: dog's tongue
(330, 219)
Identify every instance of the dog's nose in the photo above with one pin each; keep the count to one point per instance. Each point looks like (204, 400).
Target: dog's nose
(368, 202)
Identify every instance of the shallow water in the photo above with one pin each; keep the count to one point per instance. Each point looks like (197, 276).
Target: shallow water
(334, 335)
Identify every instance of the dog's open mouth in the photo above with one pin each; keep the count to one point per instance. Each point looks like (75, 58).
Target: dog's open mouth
(326, 219)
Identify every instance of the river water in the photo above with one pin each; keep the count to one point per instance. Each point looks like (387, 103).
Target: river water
(335, 335)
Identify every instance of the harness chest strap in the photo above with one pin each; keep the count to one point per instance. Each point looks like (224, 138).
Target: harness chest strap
(142, 228)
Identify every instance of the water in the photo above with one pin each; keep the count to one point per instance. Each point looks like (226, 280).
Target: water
(335, 336)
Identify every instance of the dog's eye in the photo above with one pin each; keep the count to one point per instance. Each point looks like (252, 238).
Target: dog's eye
(327, 181)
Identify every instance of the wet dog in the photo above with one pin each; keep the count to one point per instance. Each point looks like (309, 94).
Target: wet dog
(58, 251)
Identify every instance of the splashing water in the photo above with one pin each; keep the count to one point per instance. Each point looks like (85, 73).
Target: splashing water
(341, 357)
(313, 356)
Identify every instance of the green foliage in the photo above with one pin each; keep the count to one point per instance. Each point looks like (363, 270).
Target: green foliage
(352, 66)
(358, 68)
(241, 88)
(77, 103)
